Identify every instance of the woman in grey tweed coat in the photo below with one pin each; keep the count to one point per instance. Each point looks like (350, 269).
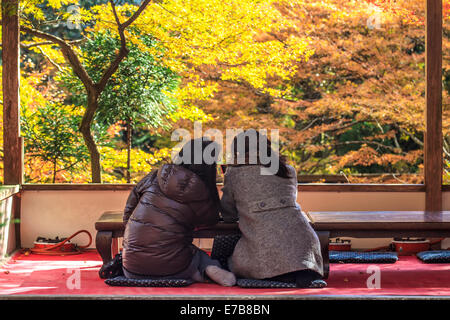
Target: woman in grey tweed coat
(277, 240)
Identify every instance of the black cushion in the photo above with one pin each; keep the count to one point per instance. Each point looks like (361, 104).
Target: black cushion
(362, 257)
(436, 256)
(127, 282)
(255, 283)
(223, 247)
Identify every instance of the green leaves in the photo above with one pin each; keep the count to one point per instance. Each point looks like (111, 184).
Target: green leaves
(138, 94)
(139, 90)
(51, 135)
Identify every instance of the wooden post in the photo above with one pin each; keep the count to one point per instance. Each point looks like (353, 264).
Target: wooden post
(433, 115)
(12, 145)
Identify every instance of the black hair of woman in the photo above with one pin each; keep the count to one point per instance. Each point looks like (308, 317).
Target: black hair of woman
(202, 161)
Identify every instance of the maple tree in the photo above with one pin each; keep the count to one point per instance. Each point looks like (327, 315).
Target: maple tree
(343, 81)
(53, 146)
(51, 135)
(137, 95)
(32, 16)
(192, 34)
(411, 16)
(357, 105)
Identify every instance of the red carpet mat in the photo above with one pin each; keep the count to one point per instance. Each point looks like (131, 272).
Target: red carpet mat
(78, 275)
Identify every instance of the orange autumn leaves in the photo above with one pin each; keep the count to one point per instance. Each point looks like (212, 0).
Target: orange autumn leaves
(357, 103)
(347, 96)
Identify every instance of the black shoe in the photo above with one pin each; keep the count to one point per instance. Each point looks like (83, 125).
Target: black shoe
(317, 284)
(113, 268)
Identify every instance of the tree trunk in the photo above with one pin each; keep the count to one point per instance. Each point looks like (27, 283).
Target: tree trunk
(129, 133)
(93, 89)
(85, 128)
(54, 170)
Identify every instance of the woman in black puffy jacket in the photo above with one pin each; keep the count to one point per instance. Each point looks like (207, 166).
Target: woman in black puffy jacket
(161, 214)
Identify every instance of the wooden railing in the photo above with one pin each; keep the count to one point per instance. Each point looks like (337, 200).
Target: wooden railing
(302, 187)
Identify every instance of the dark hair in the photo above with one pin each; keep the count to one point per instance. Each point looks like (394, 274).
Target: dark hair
(207, 172)
(253, 150)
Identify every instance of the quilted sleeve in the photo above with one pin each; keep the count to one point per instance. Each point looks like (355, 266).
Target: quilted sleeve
(135, 195)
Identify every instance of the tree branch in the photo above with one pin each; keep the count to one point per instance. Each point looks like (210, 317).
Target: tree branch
(68, 53)
(123, 51)
(446, 148)
(379, 144)
(311, 124)
(119, 24)
(36, 44)
(141, 8)
(347, 125)
(46, 43)
(274, 35)
(413, 137)
(57, 66)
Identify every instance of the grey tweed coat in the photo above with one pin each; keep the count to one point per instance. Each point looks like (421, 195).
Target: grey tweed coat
(276, 236)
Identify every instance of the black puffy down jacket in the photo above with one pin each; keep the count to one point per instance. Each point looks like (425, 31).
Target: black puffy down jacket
(160, 215)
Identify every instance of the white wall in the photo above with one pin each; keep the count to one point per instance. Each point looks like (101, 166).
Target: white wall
(61, 213)
(362, 201)
(445, 200)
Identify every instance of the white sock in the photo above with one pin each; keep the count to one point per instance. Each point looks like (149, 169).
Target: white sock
(221, 276)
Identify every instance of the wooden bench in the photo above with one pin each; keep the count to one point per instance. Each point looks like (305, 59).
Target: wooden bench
(362, 224)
